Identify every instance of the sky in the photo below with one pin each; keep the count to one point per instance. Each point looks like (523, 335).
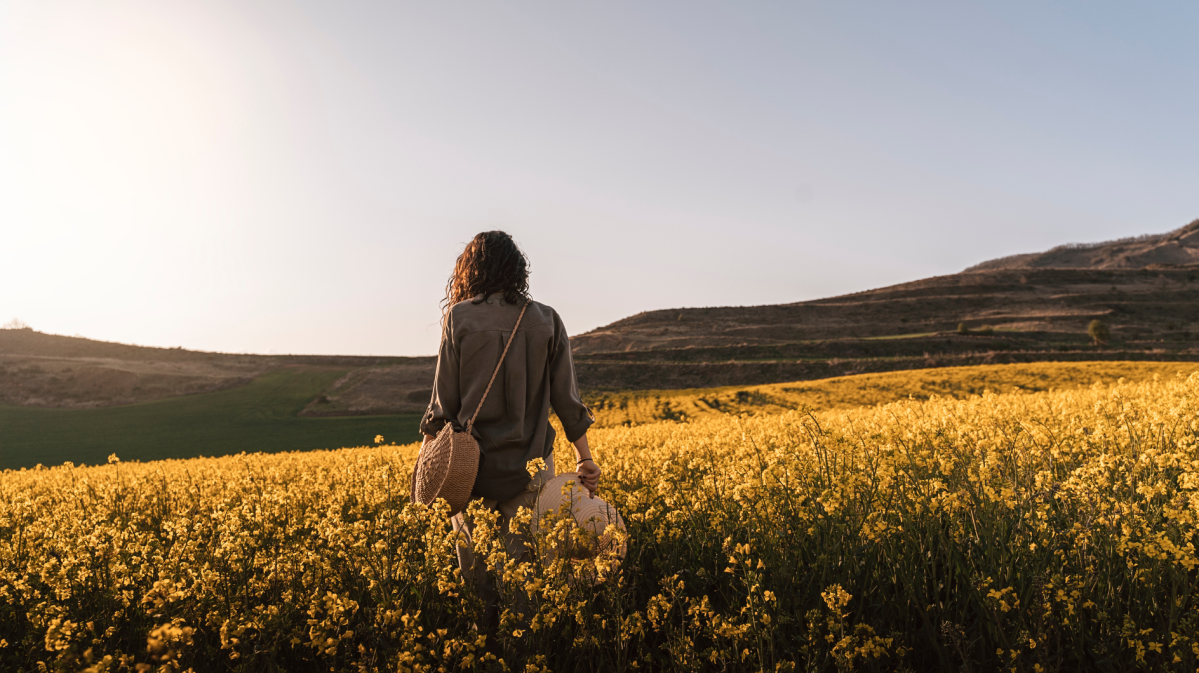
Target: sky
(298, 177)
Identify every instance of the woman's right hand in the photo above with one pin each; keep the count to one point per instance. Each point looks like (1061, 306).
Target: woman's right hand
(587, 469)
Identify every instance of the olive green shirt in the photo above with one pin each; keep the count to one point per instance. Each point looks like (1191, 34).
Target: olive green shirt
(538, 373)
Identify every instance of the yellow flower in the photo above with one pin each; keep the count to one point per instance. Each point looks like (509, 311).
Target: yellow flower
(534, 467)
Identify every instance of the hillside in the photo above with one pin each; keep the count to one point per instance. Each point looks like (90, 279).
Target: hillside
(1141, 304)
(1009, 315)
(48, 370)
(1145, 288)
(1024, 308)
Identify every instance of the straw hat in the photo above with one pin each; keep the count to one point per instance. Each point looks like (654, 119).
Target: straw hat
(564, 494)
(446, 468)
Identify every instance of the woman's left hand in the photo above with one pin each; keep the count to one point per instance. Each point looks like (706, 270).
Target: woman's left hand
(589, 475)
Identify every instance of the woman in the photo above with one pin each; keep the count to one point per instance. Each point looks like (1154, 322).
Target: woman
(484, 298)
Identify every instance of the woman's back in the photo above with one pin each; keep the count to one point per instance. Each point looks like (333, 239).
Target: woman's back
(537, 374)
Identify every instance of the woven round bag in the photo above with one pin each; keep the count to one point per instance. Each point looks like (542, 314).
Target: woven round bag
(596, 517)
(446, 468)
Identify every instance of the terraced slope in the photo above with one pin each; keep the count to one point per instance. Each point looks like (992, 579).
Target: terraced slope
(1142, 304)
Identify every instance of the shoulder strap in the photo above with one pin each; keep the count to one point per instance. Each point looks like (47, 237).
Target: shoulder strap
(512, 336)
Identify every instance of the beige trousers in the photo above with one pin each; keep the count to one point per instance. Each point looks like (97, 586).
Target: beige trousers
(474, 570)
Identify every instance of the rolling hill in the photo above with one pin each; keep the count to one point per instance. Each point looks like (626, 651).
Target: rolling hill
(1056, 292)
(49, 370)
(1017, 309)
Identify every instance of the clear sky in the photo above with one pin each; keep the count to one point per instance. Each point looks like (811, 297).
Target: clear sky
(297, 177)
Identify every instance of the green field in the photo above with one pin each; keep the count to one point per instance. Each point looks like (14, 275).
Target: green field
(260, 416)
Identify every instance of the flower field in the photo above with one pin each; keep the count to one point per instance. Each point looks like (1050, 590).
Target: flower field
(637, 407)
(1033, 532)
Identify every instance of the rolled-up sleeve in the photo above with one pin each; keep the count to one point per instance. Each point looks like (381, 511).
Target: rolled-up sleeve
(564, 386)
(447, 399)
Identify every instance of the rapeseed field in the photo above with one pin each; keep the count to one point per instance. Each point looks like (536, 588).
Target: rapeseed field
(1023, 531)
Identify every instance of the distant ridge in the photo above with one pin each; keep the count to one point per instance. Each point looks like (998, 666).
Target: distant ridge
(1023, 308)
(51, 370)
(1039, 306)
(1176, 248)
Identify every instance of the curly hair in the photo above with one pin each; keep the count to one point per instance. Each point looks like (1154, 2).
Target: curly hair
(491, 264)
